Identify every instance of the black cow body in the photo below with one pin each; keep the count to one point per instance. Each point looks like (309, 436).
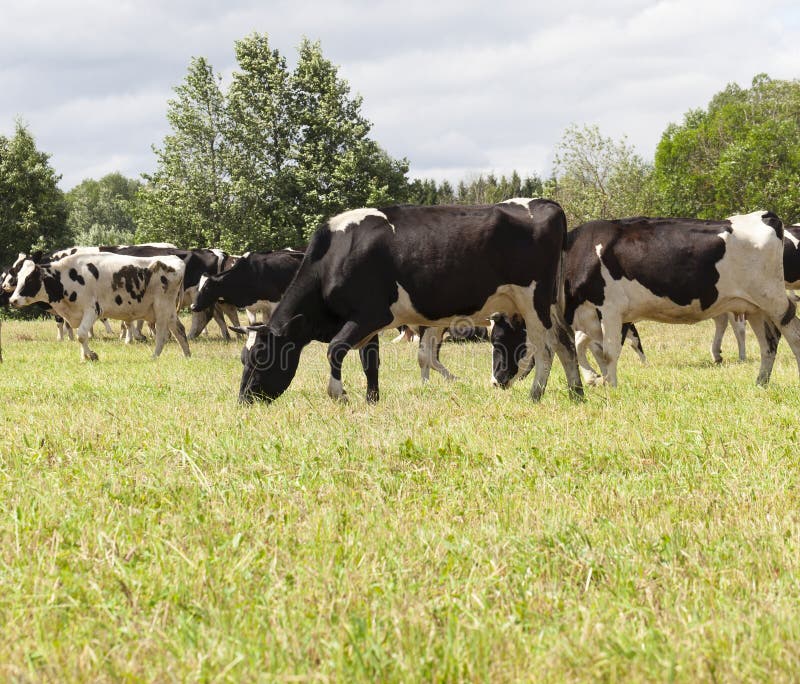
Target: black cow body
(673, 271)
(256, 282)
(369, 269)
(679, 271)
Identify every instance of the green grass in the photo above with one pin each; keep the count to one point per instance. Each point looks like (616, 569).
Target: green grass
(153, 530)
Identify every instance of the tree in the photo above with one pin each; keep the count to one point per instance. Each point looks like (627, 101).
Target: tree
(101, 211)
(188, 198)
(596, 177)
(479, 189)
(263, 164)
(337, 166)
(740, 154)
(33, 212)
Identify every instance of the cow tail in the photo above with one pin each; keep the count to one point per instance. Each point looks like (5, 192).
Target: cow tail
(560, 304)
(179, 293)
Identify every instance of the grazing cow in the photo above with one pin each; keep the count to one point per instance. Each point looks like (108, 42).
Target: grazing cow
(83, 287)
(679, 271)
(256, 282)
(370, 269)
(508, 348)
(791, 277)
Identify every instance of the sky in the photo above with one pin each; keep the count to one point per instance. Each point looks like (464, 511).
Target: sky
(457, 87)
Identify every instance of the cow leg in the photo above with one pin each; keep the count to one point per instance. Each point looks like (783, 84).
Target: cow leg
(720, 324)
(537, 352)
(107, 325)
(136, 330)
(597, 351)
(630, 333)
(252, 317)
(219, 319)
(589, 335)
(564, 337)
(739, 331)
(62, 326)
(428, 354)
(370, 362)
(611, 326)
(231, 312)
(351, 334)
(789, 325)
(768, 337)
(89, 317)
(179, 333)
(162, 334)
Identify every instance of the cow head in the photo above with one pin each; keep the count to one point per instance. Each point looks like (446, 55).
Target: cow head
(205, 294)
(269, 359)
(9, 281)
(29, 288)
(509, 344)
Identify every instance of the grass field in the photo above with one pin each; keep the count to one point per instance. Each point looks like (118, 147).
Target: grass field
(153, 530)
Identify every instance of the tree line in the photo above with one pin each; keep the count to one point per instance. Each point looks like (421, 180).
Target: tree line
(260, 162)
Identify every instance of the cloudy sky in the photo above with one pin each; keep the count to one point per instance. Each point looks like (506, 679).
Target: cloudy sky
(458, 87)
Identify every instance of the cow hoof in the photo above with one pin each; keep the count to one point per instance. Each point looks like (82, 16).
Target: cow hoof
(92, 356)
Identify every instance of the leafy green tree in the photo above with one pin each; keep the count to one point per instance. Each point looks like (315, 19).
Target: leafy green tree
(740, 154)
(479, 189)
(101, 211)
(260, 133)
(33, 212)
(597, 177)
(188, 199)
(337, 166)
(263, 164)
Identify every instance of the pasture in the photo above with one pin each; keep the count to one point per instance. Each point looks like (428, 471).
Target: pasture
(153, 530)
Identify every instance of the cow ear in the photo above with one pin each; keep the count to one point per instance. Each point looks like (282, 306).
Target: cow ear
(36, 257)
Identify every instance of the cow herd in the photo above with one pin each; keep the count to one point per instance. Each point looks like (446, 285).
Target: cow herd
(512, 266)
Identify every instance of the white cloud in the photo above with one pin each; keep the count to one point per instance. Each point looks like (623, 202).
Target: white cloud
(454, 86)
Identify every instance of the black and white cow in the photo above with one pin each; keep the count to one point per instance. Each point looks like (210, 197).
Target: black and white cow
(791, 277)
(370, 269)
(83, 287)
(679, 271)
(507, 335)
(199, 262)
(256, 282)
(8, 282)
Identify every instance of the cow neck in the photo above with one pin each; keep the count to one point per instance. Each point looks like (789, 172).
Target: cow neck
(52, 284)
(301, 310)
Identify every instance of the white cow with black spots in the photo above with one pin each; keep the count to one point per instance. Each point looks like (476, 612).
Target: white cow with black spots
(83, 287)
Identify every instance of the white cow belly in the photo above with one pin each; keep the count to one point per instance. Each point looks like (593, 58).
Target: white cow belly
(502, 300)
